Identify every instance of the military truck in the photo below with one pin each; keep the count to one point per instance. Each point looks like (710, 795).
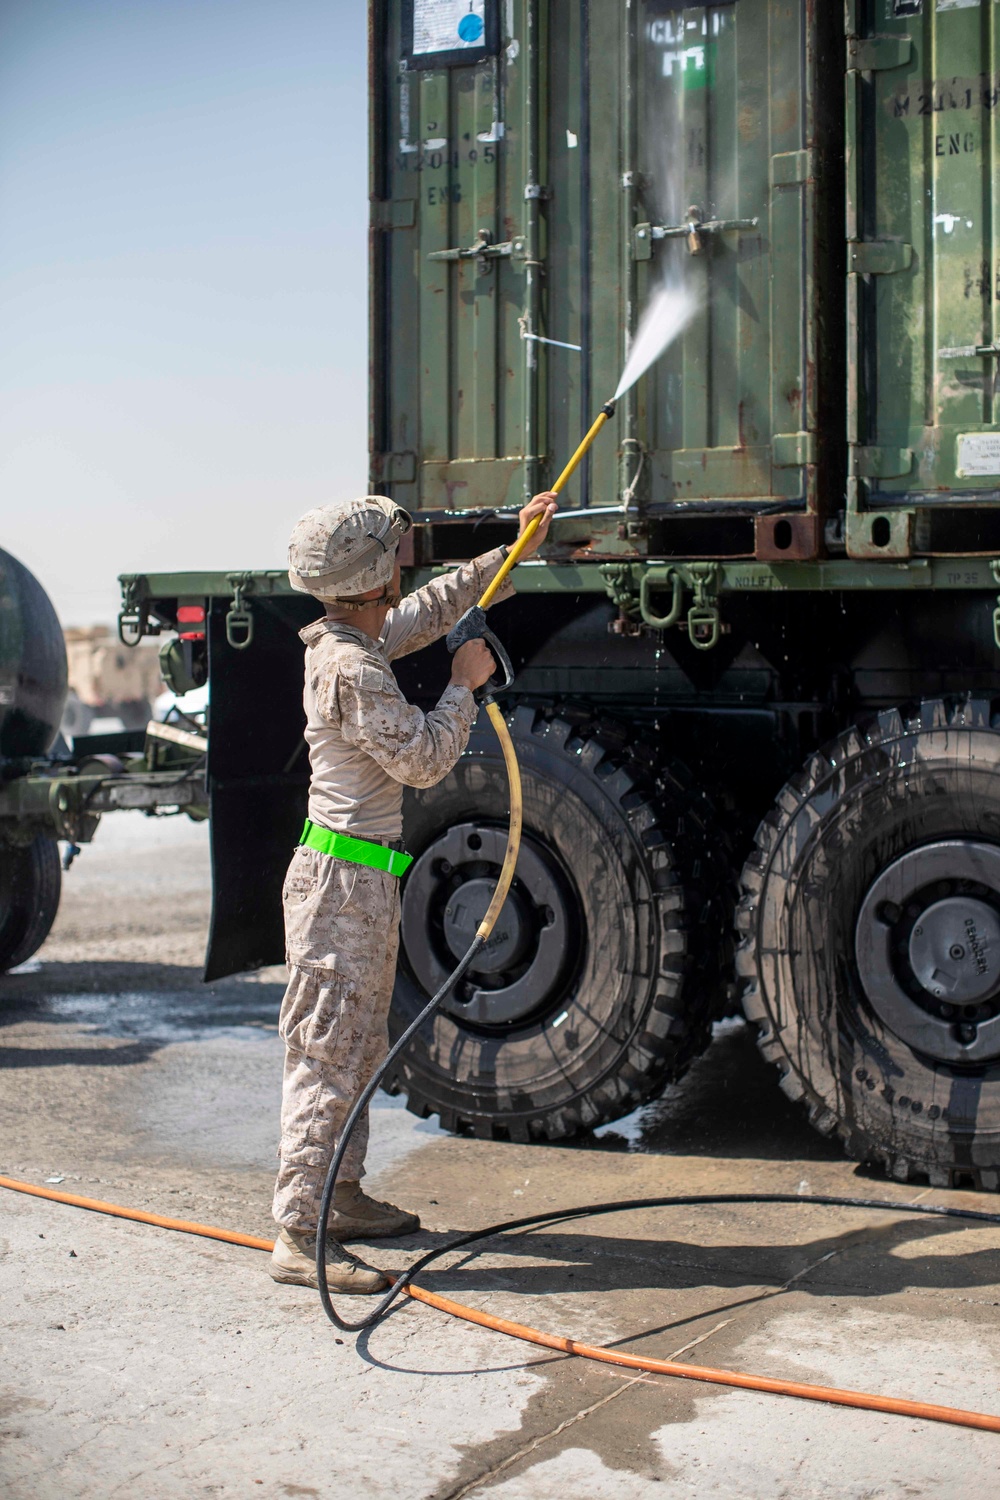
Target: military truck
(106, 681)
(51, 792)
(756, 702)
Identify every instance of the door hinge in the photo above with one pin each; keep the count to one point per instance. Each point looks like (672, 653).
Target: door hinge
(394, 213)
(642, 242)
(877, 54)
(878, 257)
(792, 168)
(880, 463)
(791, 449)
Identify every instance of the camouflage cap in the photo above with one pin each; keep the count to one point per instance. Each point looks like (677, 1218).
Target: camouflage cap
(347, 548)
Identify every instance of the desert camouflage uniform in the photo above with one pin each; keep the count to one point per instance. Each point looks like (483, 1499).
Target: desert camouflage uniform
(341, 919)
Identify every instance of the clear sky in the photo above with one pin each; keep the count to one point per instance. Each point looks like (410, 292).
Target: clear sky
(183, 210)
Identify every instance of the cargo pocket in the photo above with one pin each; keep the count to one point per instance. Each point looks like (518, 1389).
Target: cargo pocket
(313, 1012)
(316, 893)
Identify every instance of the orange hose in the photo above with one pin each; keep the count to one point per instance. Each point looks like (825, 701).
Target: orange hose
(860, 1399)
(704, 1372)
(185, 1226)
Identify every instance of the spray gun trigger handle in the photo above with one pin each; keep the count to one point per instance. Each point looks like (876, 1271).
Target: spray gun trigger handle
(473, 627)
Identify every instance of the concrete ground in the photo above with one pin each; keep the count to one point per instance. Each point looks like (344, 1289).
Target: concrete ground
(142, 1362)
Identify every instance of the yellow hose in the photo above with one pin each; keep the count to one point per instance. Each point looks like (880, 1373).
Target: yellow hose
(496, 716)
(514, 831)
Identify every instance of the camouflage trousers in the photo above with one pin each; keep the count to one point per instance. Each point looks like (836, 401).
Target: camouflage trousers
(341, 937)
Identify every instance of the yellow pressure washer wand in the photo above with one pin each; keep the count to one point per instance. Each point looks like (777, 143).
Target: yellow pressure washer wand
(514, 555)
(472, 626)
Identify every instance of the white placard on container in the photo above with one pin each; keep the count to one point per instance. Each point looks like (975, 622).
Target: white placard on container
(978, 455)
(448, 25)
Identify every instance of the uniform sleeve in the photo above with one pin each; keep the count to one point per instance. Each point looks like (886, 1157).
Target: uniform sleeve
(414, 748)
(429, 613)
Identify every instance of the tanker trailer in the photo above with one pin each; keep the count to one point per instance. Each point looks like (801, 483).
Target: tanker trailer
(757, 661)
(49, 793)
(32, 697)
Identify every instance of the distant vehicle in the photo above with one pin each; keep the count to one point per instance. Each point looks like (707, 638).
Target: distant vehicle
(779, 567)
(107, 681)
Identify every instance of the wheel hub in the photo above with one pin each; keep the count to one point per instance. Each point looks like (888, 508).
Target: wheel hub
(506, 943)
(928, 949)
(951, 946)
(523, 968)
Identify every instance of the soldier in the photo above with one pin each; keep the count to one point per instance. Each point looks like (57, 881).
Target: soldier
(341, 893)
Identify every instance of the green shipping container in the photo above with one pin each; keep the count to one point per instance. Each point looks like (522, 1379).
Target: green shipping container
(839, 375)
(527, 203)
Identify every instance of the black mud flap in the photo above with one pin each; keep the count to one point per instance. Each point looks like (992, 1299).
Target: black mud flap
(258, 780)
(255, 827)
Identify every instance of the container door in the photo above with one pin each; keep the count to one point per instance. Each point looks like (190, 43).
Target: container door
(451, 123)
(731, 159)
(530, 193)
(923, 108)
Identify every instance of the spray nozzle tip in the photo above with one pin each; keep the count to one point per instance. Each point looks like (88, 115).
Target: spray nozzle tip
(609, 408)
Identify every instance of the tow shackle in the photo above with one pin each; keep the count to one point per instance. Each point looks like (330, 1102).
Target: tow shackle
(473, 627)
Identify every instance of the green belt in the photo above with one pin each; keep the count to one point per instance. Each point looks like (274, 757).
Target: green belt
(358, 851)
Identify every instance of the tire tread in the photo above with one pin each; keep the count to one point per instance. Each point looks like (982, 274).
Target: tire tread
(889, 726)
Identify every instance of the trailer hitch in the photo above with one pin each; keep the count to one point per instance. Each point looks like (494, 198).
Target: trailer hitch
(133, 617)
(239, 620)
(703, 622)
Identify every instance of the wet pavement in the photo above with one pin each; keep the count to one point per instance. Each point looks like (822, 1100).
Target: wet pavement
(143, 1362)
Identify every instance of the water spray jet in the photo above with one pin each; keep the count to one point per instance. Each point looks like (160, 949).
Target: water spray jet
(667, 314)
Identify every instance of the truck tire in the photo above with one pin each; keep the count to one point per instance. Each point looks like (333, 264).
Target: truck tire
(869, 941)
(30, 886)
(597, 987)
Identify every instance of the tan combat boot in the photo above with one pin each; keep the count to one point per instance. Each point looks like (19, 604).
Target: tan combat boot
(293, 1261)
(355, 1216)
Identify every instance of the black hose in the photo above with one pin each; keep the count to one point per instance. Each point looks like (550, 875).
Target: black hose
(593, 1210)
(399, 1285)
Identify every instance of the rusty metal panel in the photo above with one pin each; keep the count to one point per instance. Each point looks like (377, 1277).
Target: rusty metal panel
(924, 282)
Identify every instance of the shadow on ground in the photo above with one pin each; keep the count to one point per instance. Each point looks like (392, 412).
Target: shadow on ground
(594, 1263)
(152, 1003)
(728, 1104)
